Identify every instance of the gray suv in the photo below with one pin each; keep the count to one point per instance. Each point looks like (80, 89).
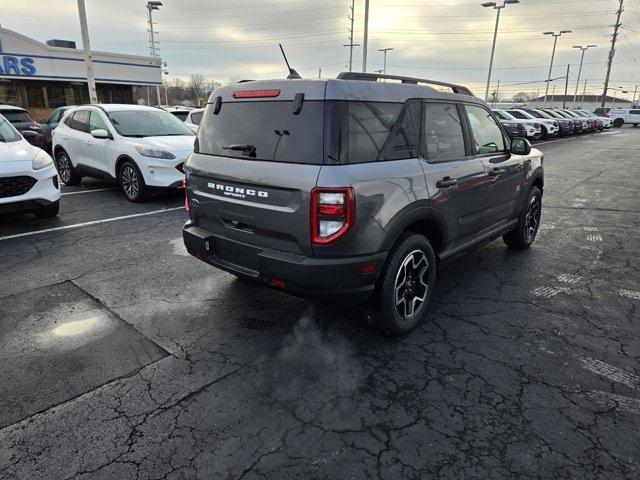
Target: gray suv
(357, 189)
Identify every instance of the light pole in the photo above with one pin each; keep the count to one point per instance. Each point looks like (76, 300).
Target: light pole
(151, 6)
(366, 35)
(88, 60)
(553, 54)
(385, 50)
(495, 36)
(584, 49)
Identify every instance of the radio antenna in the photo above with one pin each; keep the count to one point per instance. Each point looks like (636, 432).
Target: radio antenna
(292, 73)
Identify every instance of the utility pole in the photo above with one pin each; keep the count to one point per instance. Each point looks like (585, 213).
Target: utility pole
(566, 88)
(495, 37)
(635, 92)
(151, 6)
(584, 49)
(351, 44)
(385, 50)
(88, 60)
(366, 35)
(553, 54)
(612, 52)
(584, 91)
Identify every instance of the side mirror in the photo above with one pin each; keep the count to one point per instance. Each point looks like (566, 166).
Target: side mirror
(100, 133)
(29, 134)
(520, 146)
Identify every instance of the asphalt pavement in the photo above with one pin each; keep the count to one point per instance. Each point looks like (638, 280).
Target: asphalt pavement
(123, 357)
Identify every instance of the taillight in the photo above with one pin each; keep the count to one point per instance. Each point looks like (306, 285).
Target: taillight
(256, 93)
(333, 212)
(185, 185)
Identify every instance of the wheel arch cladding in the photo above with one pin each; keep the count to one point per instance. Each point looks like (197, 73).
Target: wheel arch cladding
(539, 182)
(424, 222)
(58, 149)
(121, 159)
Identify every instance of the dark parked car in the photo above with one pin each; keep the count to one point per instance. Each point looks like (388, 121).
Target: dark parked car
(578, 125)
(355, 190)
(23, 121)
(52, 122)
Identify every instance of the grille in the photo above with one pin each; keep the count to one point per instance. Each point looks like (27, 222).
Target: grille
(14, 186)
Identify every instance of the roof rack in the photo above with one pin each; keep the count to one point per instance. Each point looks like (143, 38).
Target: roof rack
(374, 77)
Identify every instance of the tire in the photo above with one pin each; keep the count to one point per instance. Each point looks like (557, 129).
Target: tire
(524, 234)
(132, 183)
(410, 268)
(66, 171)
(618, 122)
(48, 211)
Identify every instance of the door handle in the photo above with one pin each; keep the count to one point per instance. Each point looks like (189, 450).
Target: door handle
(66, 137)
(495, 172)
(447, 182)
(88, 142)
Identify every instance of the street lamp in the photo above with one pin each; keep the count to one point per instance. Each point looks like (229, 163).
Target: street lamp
(151, 6)
(495, 36)
(584, 49)
(553, 54)
(385, 50)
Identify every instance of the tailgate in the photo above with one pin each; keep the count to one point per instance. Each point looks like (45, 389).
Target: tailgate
(261, 203)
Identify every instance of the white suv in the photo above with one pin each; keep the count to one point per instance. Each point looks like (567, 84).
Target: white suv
(550, 128)
(28, 179)
(194, 118)
(620, 116)
(142, 148)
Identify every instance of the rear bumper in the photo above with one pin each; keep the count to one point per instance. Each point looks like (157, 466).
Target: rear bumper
(308, 277)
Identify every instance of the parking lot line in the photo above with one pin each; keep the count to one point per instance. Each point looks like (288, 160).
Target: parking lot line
(89, 191)
(89, 224)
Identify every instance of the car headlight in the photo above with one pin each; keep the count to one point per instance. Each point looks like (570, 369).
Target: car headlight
(154, 152)
(41, 160)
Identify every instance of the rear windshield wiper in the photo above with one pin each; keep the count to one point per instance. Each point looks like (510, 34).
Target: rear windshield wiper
(245, 148)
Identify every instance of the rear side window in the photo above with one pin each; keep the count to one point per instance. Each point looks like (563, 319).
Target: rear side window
(486, 132)
(370, 124)
(264, 130)
(634, 112)
(442, 138)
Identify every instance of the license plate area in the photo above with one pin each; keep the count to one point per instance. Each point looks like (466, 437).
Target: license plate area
(236, 253)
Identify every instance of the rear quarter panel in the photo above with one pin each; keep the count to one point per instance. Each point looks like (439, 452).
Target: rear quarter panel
(382, 190)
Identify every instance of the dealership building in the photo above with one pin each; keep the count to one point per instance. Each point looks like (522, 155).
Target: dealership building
(42, 76)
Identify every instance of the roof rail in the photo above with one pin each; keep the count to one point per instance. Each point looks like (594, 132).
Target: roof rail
(374, 77)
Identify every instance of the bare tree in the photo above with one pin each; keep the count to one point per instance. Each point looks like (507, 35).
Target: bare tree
(522, 97)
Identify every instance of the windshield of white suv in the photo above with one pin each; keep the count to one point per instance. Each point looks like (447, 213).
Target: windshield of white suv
(7, 132)
(521, 114)
(148, 123)
(504, 115)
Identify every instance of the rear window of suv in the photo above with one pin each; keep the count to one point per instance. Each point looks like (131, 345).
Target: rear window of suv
(339, 131)
(269, 130)
(17, 116)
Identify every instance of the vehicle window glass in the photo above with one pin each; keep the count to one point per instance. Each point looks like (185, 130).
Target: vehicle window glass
(54, 117)
(196, 118)
(486, 132)
(499, 115)
(17, 116)
(634, 112)
(404, 138)
(181, 115)
(265, 130)
(517, 114)
(96, 122)
(69, 120)
(369, 126)
(7, 132)
(541, 114)
(81, 121)
(442, 138)
(147, 123)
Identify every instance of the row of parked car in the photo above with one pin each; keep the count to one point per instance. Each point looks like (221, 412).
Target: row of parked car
(536, 123)
(144, 148)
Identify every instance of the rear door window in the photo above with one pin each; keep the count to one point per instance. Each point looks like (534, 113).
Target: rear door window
(486, 132)
(264, 130)
(443, 137)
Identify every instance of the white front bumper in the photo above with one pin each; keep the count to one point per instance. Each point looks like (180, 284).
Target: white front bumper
(161, 173)
(44, 191)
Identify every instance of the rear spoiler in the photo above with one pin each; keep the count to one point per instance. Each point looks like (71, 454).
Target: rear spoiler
(374, 77)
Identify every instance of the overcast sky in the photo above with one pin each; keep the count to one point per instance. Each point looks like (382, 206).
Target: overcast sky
(443, 39)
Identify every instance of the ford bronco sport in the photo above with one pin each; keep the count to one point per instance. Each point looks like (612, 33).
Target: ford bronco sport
(359, 187)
